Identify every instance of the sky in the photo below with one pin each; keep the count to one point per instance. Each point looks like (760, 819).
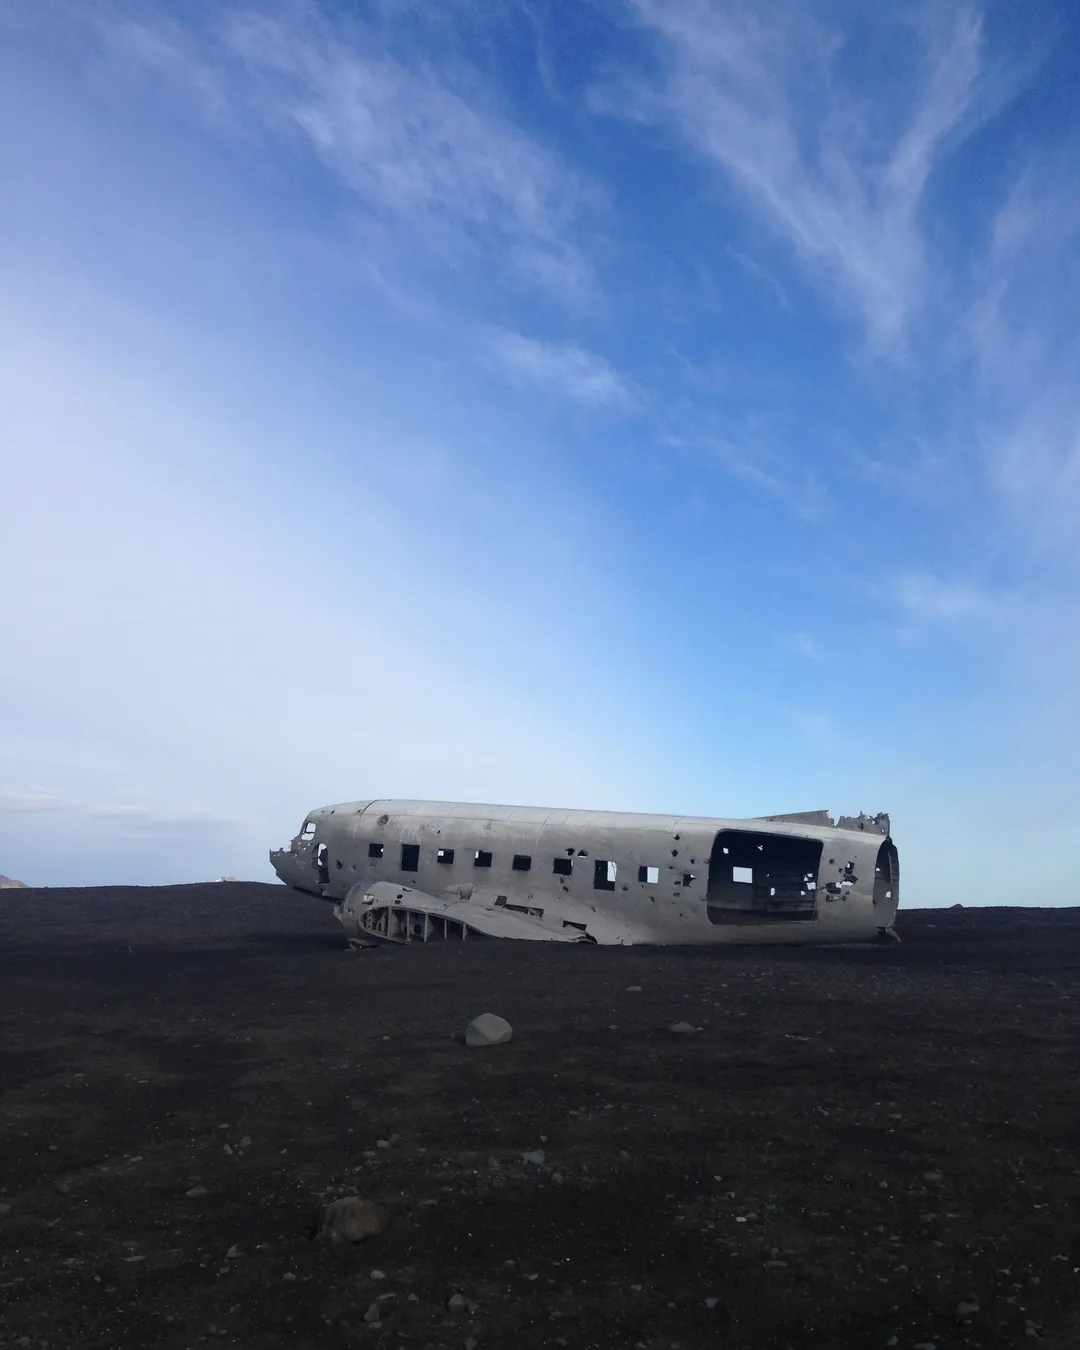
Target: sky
(655, 405)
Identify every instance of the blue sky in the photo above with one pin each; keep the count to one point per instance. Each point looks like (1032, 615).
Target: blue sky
(644, 404)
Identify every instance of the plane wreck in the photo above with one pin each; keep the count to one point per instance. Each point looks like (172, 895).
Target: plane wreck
(415, 871)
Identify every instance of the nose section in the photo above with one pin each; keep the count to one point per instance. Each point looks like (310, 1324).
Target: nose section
(295, 865)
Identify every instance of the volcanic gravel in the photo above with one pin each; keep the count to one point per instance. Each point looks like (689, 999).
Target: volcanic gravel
(870, 1146)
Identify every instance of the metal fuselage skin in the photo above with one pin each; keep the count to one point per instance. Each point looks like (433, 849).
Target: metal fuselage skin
(599, 876)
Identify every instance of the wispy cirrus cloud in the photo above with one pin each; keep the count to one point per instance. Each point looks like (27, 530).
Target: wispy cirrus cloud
(1025, 344)
(932, 599)
(565, 369)
(418, 144)
(837, 173)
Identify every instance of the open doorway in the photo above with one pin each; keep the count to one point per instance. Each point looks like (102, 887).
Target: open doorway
(887, 878)
(322, 862)
(762, 878)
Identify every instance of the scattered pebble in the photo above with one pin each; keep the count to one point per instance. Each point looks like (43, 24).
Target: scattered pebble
(682, 1028)
(288, 1277)
(536, 1156)
(195, 1192)
(377, 1274)
(966, 1309)
(374, 1313)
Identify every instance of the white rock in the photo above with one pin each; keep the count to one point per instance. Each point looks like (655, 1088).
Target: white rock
(487, 1029)
(682, 1028)
(536, 1156)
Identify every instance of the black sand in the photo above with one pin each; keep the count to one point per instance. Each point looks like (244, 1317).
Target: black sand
(859, 1144)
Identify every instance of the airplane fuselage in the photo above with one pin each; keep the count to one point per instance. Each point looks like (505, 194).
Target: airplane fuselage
(415, 871)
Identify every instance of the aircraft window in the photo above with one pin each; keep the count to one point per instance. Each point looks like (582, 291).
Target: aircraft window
(522, 862)
(563, 866)
(374, 850)
(410, 857)
(649, 875)
(445, 855)
(604, 875)
(308, 832)
(743, 874)
(481, 859)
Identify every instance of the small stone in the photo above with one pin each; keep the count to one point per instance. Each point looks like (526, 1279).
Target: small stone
(457, 1303)
(633, 988)
(931, 1176)
(487, 1029)
(195, 1192)
(883, 1185)
(967, 1309)
(924, 1345)
(288, 1277)
(61, 1188)
(711, 1302)
(246, 1141)
(536, 1156)
(470, 1343)
(4, 1210)
(232, 1253)
(682, 1028)
(775, 1265)
(351, 1219)
(382, 1143)
(374, 1313)
(377, 1274)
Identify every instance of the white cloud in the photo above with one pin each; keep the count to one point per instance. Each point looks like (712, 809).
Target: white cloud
(32, 799)
(930, 599)
(806, 645)
(420, 147)
(840, 176)
(566, 369)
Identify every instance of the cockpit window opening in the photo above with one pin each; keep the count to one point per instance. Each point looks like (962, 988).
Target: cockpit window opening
(308, 832)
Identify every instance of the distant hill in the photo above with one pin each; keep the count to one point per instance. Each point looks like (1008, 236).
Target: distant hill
(10, 884)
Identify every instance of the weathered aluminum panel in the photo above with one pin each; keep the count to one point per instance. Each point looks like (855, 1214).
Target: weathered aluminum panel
(609, 877)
